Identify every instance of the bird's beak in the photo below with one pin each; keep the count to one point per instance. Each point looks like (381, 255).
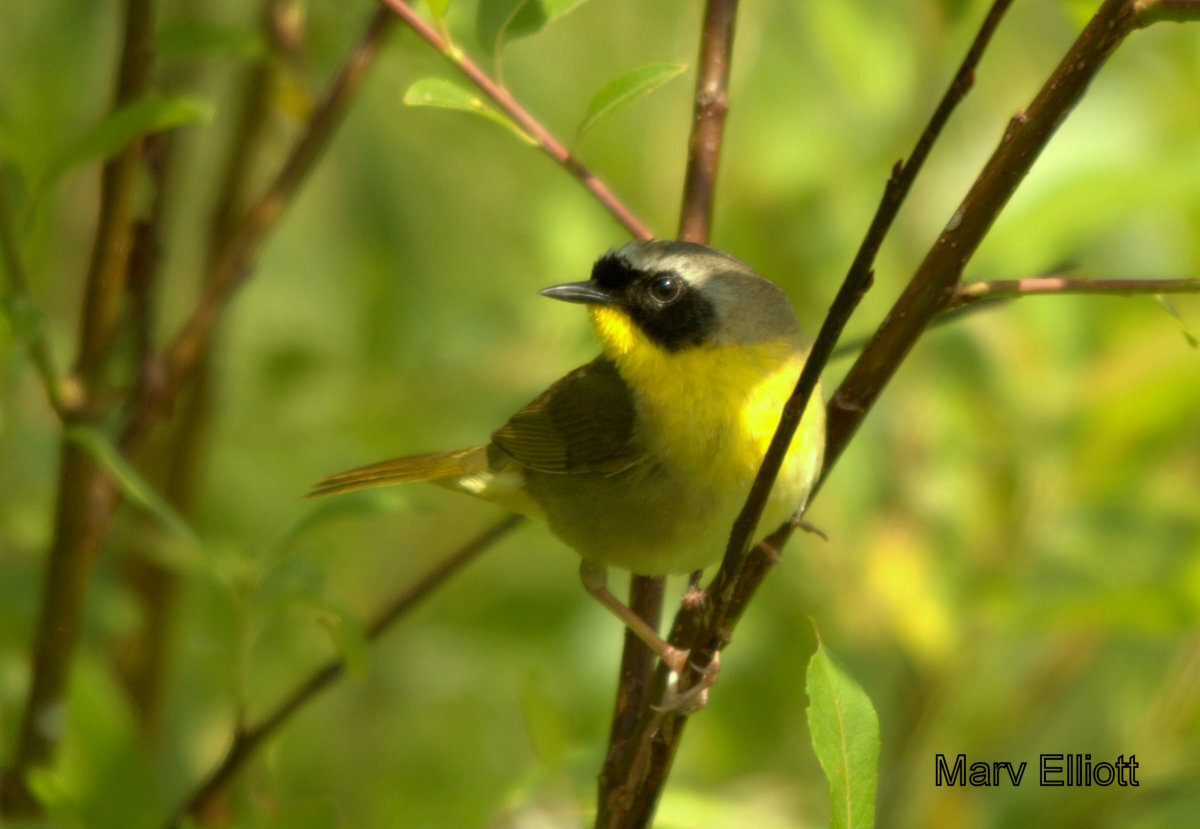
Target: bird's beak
(588, 292)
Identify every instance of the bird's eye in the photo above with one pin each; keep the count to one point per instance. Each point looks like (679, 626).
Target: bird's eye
(665, 289)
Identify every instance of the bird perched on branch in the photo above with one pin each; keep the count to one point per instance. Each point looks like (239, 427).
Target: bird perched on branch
(643, 458)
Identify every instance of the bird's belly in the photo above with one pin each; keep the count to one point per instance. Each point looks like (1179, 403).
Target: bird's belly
(650, 519)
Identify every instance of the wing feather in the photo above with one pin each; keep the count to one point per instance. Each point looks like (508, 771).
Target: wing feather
(582, 423)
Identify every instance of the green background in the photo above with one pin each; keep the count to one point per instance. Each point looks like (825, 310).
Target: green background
(1014, 556)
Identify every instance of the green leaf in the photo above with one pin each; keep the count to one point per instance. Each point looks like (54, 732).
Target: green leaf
(624, 89)
(132, 484)
(153, 113)
(845, 736)
(439, 92)
(1183, 326)
(499, 21)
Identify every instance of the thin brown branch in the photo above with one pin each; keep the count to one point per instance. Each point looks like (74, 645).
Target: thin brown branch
(710, 107)
(541, 136)
(248, 738)
(971, 292)
(86, 494)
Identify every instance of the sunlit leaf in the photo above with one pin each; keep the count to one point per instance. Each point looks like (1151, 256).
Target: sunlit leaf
(153, 113)
(439, 92)
(845, 736)
(624, 89)
(132, 484)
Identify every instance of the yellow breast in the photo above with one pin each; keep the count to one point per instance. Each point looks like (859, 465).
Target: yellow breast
(708, 409)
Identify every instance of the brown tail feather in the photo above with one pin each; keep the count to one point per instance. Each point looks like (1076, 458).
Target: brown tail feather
(434, 466)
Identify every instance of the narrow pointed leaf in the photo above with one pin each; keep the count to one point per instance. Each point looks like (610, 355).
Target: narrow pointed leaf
(624, 89)
(153, 113)
(439, 92)
(1183, 326)
(845, 736)
(132, 484)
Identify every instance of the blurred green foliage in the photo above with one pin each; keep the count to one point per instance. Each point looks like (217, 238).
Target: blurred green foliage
(1014, 556)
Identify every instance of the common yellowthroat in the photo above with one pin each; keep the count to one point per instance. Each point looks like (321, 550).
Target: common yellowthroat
(643, 458)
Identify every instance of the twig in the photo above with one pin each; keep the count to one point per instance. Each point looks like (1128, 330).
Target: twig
(708, 114)
(248, 738)
(534, 128)
(971, 292)
(86, 494)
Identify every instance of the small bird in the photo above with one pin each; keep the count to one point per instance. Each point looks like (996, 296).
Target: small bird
(643, 458)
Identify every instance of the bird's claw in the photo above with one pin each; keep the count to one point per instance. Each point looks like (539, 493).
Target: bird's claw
(695, 696)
